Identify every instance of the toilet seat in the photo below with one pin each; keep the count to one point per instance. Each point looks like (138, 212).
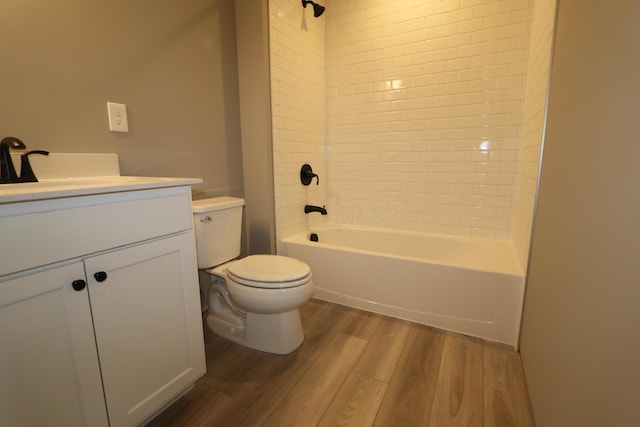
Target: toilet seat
(269, 272)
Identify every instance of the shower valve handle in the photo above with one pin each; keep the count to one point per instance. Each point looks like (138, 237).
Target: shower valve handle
(307, 175)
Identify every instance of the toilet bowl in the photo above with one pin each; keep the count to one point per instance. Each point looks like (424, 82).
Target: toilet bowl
(268, 284)
(252, 301)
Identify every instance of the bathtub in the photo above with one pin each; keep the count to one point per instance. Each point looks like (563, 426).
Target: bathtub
(471, 286)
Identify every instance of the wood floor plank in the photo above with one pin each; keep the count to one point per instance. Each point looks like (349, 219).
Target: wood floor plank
(356, 403)
(193, 411)
(361, 324)
(278, 374)
(233, 369)
(506, 400)
(381, 355)
(307, 401)
(243, 386)
(408, 399)
(459, 400)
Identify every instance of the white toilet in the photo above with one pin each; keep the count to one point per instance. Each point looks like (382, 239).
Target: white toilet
(254, 300)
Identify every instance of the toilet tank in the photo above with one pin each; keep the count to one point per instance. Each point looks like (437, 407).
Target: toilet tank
(218, 229)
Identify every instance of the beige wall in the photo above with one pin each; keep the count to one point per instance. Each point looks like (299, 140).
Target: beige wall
(252, 23)
(580, 343)
(172, 63)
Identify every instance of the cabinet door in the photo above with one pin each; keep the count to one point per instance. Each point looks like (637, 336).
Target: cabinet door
(49, 373)
(147, 318)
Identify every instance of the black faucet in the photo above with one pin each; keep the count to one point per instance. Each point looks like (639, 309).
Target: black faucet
(7, 171)
(311, 208)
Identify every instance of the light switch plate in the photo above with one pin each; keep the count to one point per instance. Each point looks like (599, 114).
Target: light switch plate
(117, 117)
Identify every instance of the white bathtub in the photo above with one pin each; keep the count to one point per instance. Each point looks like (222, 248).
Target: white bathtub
(470, 286)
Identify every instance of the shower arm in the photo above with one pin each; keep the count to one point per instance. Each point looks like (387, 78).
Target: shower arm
(317, 9)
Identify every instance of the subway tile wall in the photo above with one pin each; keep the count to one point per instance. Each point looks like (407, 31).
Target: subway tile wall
(412, 112)
(532, 134)
(297, 57)
(425, 103)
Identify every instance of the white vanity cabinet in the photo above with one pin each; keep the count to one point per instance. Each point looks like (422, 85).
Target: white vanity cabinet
(49, 372)
(144, 325)
(100, 320)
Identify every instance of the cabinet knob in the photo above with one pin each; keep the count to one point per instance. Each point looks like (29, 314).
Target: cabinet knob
(78, 285)
(100, 276)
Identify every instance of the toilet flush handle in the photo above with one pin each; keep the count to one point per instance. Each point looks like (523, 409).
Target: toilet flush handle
(205, 219)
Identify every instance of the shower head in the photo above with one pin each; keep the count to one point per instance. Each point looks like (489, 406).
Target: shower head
(317, 9)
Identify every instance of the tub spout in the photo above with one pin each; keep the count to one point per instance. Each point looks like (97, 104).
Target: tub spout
(311, 208)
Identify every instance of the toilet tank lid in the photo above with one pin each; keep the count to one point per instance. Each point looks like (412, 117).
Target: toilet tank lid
(216, 204)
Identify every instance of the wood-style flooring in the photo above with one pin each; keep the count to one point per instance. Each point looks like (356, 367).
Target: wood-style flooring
(358, 369)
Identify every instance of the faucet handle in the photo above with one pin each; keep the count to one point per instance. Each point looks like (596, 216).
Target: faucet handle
(307, 175)
(26, 173)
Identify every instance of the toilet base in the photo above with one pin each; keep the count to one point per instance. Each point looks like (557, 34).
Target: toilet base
(279, 333)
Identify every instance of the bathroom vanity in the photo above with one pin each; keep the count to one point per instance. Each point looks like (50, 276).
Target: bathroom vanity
(100, 319)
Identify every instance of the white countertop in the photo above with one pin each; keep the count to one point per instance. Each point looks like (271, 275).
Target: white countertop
(72, 187)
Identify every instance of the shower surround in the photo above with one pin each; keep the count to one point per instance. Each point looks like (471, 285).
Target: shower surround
(415, 114)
